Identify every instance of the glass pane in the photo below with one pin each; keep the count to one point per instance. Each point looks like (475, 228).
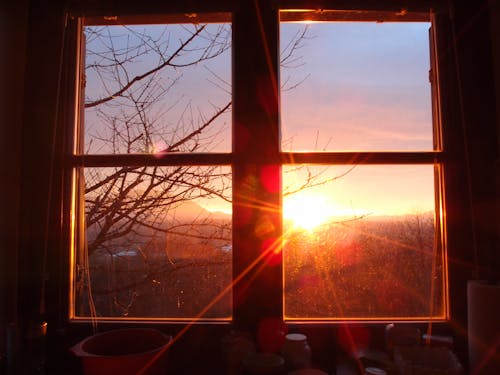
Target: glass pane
(350, 86)
(362, 243)
(157, 88)
(156, 243)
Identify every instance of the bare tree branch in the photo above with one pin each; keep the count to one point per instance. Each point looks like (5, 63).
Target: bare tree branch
(140, 77)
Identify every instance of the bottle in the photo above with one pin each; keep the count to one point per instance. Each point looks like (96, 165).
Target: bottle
(296, 351)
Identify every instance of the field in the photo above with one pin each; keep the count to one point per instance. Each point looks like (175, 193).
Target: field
(380, 267)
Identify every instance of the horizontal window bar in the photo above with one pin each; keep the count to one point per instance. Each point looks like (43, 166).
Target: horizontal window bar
(366, 5)
(151, 159)
(140, 9)
(321, 15)
(285, 157)
(151, 19)
(361, 157)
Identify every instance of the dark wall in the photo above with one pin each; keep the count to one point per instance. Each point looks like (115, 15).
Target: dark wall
(13, 34)
(495, 42)
(473, 41)
(471, 118)
(31, 41)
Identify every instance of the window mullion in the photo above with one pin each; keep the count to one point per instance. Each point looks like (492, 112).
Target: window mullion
(257, 267)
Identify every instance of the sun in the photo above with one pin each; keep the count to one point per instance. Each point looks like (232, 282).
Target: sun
(306, 211)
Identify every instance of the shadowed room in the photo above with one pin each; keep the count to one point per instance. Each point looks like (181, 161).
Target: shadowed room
(250, 187)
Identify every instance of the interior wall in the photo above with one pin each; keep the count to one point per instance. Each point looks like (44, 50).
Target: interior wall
(476, 121)
(477, 90)
(13, 32)
(30, 51)
(495, 43)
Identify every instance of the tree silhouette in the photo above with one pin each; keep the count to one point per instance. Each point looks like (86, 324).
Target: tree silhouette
(145, 239)
(136, 232)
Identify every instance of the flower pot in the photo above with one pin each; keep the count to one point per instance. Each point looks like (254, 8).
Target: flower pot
(123, 352)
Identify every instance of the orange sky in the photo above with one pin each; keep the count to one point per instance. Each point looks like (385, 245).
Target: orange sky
(365, 88)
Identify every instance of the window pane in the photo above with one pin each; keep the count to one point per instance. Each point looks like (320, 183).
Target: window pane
(363, 244)
(349, 86)
(156, 243)
(157, 88)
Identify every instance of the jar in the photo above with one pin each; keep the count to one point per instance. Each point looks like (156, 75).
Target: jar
(296, 351)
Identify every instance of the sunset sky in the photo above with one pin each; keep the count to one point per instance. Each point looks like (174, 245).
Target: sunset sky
(366, 88)
(362, 87)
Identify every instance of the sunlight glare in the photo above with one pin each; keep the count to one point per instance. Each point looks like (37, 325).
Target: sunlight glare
(306, 211)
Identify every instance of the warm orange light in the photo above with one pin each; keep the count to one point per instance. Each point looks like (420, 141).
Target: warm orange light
(307, 211)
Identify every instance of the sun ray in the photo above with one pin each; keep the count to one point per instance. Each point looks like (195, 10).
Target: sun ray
(257, 263)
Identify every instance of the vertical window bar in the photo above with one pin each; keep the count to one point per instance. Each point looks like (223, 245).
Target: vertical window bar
(257, 268)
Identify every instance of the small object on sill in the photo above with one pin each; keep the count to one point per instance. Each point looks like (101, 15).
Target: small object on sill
(375, 371)
(296, 351)
(375, 358)
(425, 360)
(437, 340)
(271, 334)
(401, 335)
(126, 351)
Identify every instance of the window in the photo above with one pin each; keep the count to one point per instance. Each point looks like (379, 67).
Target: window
(201, 191)
(363, 241)
(154, 229)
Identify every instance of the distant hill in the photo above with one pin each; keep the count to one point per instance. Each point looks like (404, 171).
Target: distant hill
(187, 211)
(190, 210)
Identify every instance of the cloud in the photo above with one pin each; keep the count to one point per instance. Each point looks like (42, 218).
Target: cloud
(360, 118)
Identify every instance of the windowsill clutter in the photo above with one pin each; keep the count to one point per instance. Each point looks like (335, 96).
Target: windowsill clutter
(407, 352)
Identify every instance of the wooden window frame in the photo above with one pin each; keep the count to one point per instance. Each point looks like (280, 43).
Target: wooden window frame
(255, 73)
